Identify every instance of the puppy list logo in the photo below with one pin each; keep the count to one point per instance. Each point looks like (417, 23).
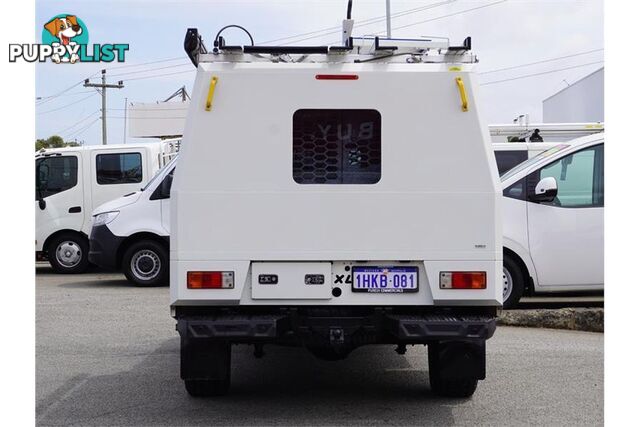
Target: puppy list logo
(65, 40)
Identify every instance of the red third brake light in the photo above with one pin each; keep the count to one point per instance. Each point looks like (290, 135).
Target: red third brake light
(336, 77)
(209, 279)
(463, 280)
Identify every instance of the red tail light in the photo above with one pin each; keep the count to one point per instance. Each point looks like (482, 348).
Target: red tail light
(210, 279)
(337, 77)
(463, 280)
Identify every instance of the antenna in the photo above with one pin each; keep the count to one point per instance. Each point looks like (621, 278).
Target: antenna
(388, 18)
(347, 25)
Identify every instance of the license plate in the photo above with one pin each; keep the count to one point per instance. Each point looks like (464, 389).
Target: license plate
(385, 279)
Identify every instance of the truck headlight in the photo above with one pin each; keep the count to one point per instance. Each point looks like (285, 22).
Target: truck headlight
(104, 218)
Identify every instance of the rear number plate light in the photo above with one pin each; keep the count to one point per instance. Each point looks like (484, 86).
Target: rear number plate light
(463, 280)
(210, 279)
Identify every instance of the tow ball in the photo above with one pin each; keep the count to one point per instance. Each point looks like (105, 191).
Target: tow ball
(336, 336)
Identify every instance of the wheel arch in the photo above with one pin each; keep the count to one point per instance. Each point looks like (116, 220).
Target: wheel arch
(52, 236)
(138, 237)
(524, 268)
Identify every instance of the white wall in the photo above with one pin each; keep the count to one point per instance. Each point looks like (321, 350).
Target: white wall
(582, 102)
(157, 120)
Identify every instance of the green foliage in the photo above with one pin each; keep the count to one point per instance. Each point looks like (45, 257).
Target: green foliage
(54, 141)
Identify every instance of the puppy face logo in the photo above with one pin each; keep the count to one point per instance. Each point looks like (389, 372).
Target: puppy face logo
(68, 31)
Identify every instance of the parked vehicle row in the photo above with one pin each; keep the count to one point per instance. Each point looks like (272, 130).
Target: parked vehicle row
(131, 233)
(71, 182)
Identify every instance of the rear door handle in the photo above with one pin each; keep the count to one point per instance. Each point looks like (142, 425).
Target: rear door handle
(75, 209)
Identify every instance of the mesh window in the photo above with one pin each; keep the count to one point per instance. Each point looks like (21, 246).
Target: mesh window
(336, 146)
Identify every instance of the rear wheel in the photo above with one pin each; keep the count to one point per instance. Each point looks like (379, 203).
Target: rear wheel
(68, 253)
(146, 263)
(205, 367)
(442, 382)
(512, 283)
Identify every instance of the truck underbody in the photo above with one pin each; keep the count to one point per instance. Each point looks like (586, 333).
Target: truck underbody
(455, 337)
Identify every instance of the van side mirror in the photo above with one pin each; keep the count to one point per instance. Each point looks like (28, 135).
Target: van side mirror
(546, 190)
(42, 204)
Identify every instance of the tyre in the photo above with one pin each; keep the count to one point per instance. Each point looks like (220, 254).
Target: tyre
(448, 387)
(146, 263)
(205, 367)
(206, 388)
(68, 253)
(512, 283)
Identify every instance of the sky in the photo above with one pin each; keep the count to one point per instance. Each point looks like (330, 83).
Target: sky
(505, 34)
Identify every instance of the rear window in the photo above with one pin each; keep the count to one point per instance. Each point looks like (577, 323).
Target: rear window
(121, 168)
(336, 146)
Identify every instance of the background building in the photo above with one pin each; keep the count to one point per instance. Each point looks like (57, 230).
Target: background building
(581, 102)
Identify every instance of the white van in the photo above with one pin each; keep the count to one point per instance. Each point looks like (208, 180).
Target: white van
(333, 197)
(71, 182)
(131, 233)
(553, 211)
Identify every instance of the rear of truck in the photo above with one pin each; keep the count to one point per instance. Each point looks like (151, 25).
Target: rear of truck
(332, 205)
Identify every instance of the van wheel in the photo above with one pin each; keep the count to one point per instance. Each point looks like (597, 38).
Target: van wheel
(146, 263)
(68, 253)
(512, 283)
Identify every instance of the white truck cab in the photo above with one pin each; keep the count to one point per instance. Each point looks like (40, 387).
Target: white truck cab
(333, 197)
(131, 233)
(553, 212)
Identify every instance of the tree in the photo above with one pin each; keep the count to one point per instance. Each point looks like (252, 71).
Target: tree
(54, 141)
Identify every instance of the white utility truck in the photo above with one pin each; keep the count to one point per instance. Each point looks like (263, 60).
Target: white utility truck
(553, 215)
(72, 181)
(131, 233)
(333, 197)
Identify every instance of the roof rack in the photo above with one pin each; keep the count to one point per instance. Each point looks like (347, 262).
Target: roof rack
(355, 49)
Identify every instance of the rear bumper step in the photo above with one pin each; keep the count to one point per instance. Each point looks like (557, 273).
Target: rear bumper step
(381, 328)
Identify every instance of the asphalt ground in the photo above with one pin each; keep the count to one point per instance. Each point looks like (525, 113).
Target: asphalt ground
(107, 353)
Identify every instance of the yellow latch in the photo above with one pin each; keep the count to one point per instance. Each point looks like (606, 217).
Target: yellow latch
(463, 94)
(212, 88)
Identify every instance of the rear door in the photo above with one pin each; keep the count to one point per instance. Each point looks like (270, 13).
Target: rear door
(566, 236)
